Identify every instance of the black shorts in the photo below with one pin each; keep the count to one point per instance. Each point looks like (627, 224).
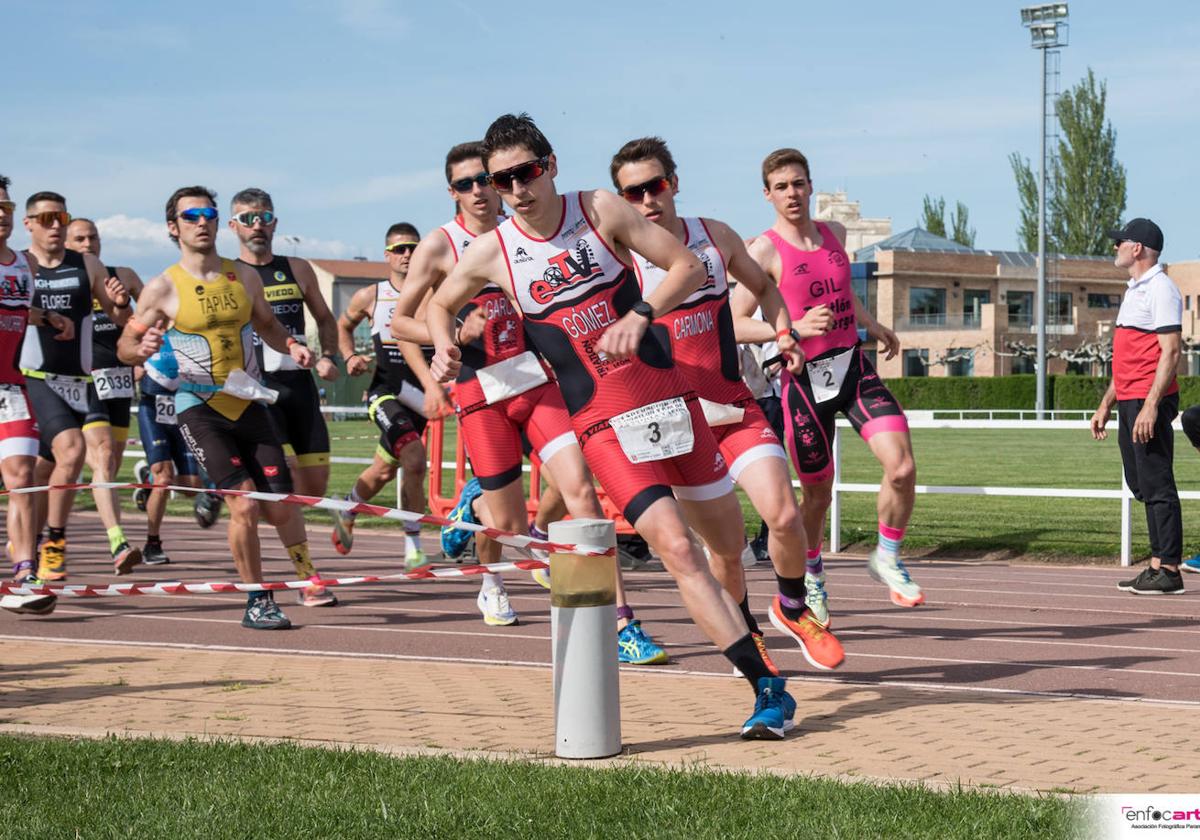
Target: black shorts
(231, 451)
(297, 416)
(53, 414)
(120, 415)
(809, 425)
(398, 424)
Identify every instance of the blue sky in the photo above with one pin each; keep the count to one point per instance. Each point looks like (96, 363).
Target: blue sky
(344, 110)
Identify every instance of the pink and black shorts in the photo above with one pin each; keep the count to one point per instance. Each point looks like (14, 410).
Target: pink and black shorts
(809, 425)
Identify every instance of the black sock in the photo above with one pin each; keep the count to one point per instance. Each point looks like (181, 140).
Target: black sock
(744, 606)
(791, 591)
(56, 533)
(153, 539)
(744, 654)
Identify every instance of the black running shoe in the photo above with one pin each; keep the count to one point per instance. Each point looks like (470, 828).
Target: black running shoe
(264, 614)
(141, 497)
(1159, 582)
(1127, 585)
(153, 554)
(207, 509)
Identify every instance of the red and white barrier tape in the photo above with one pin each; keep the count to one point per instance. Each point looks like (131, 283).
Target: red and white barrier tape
(343, 506)
(208, 588)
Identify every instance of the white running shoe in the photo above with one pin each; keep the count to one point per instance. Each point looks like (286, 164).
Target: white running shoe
(497, 611)
(816, 599)
(903, 589)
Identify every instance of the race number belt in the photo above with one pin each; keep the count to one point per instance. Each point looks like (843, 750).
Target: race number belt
(164, 410)
(655, 432)
(72, 390)
(827, 375)
(113, 383)
(511, 377)
(13, 405)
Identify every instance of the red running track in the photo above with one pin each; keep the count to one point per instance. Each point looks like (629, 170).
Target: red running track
(987, 627)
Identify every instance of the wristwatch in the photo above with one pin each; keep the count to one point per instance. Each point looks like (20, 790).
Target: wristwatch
(644, 309)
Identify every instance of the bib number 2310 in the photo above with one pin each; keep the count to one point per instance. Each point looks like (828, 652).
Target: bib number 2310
(655, 432)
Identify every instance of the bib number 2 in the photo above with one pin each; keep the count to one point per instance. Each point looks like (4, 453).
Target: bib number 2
(655, 432)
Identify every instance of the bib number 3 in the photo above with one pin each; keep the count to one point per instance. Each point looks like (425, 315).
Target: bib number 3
(655, 432)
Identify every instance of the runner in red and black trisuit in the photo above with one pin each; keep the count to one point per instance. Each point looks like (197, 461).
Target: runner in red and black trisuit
(564, 260)
(502, 395)
(701, 335)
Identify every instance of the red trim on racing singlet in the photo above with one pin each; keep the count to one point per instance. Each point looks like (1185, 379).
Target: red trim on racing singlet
(603, 241)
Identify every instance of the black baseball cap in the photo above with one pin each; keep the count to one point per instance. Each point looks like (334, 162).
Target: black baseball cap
(1139, 230)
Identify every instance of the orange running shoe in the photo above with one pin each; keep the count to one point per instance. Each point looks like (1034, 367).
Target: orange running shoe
(819, 646)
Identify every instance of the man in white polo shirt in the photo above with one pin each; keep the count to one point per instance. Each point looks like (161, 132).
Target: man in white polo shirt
(1146, 348)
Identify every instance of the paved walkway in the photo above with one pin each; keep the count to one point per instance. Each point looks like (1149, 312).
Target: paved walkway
(940, 737)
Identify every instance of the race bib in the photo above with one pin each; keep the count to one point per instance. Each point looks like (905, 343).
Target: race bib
(72, 390)
(656, 431)
(721, 414)
(113, 383)
(13, 406)
(510, 377)
(164, 410)
(827, 375)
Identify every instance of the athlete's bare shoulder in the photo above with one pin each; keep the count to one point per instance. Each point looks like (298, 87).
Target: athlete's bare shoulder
(764, 252)
(837, 229)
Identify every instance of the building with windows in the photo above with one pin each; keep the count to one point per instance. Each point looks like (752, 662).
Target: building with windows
(963, 311)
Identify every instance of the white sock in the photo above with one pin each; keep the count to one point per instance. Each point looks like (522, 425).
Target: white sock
(412, 540)
(492, 580)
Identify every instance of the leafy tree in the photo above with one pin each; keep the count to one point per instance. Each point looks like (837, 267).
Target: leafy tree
(933, 215)
(1085, 185)
(960, 229)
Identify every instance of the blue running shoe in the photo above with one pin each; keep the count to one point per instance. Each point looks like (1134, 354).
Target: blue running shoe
(456, 540)
(636, 648)
(774, 712)
(1192, 565)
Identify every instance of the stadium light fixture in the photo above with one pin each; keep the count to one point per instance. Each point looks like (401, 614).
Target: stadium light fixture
(1047, 25)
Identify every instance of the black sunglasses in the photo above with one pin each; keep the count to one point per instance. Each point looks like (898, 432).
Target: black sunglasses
(464, 185)
(654, 186)
(526, 172)
(401, 248)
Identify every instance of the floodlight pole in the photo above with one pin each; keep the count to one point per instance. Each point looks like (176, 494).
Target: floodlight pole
(1040, 303)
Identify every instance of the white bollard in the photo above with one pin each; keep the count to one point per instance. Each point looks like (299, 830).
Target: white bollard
(583, 638)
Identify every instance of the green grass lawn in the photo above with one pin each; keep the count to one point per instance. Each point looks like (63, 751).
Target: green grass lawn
(142, 788)
(1053, 528)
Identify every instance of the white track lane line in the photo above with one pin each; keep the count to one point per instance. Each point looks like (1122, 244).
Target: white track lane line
(661, 673)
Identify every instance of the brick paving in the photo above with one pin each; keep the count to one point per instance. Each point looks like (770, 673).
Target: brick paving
(976, 738)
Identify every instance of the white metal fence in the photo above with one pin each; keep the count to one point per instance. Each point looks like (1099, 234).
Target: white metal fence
(1119, 491)
(965, 419)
